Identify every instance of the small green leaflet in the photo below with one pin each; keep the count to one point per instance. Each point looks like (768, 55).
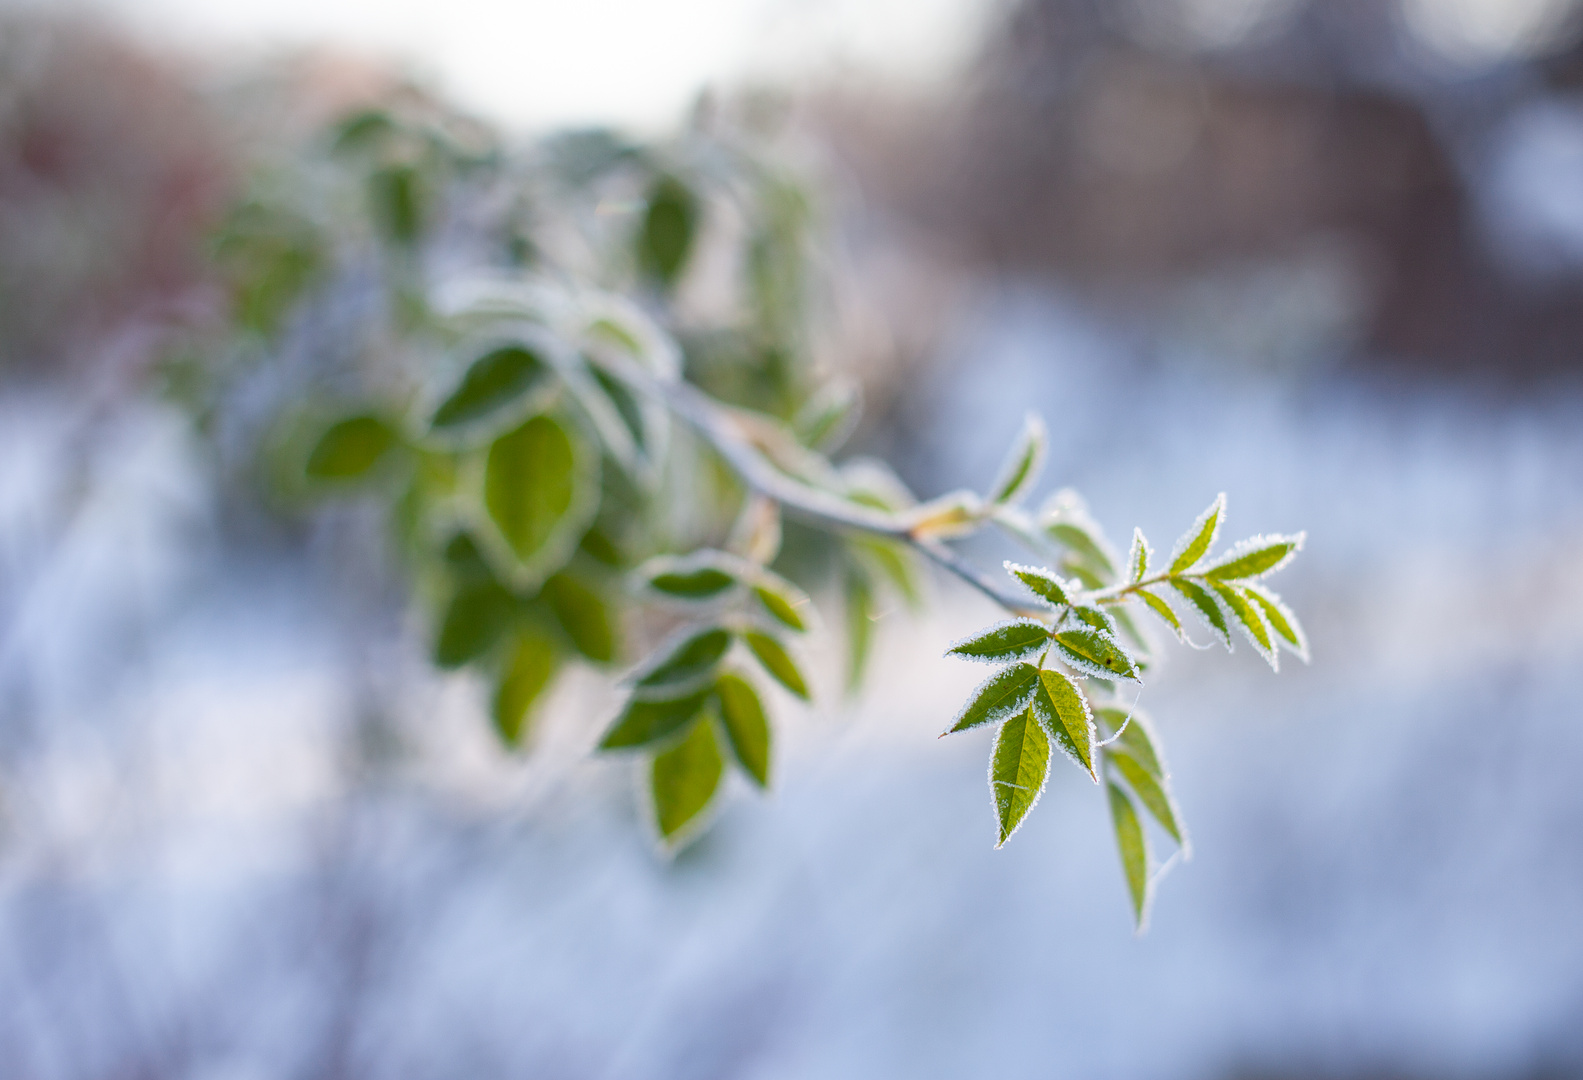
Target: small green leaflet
(784, 601)
(1196, 542)
(532, 664)
(644, 722)
(1256, 557)
(772, 654)
(1041, 581)
(1098, 618)
(1002, 694)
(1138, 557)
(1015, 639)
(492, 382)
(1063, 710)
(704, 575)
(829, 416)
(1163, 610)
(1019, 765)
(1022, 466)
(477, 616)
(350, 449)
(1135, 737)
(541, 488)
(1249, 621)
(1094, 652)
(747, 731)
(668, 227)
(859, 625)
(1134, 852)
(691, 659)
(582, 614)
(893, 562)
(683, 780)
(1287, 629)
(1150, 792)
(1204, 607)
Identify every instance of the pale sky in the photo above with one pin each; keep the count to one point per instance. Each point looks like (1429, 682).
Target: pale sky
(634, 62)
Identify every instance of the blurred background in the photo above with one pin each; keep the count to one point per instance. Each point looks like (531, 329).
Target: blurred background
(1325, 255)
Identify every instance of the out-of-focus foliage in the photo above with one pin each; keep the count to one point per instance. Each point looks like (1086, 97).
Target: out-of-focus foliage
(586, 380)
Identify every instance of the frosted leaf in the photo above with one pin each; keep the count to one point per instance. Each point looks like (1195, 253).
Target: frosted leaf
(1256, 557)
(683, 781)
(1288, 631)
(1138, 558)
(1018, 768)
(689, 659)
(1134, 851)
(785, 602)
(1064, 518)
(1098, 618)
(1001, 695)
(1014, 639)
(1196, 541)
(774, 658)
(1136, 734)
(1249, 622)
(1204, 606)
(699, 577)
(1020, 472)
(1061, 707)
(1150, 792)
(643, 723)
(1163, 610)
(747, 731)
(1041, 581)
(1095, 652)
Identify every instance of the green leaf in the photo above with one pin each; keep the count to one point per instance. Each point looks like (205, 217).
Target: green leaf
(1131, 631)
(1256, 557)
(1063, 710)
(668, 228)
(1098, 618)
(1251, 624)
(541, 489)
(1022, 466)
(703, 575)
(747, 730)
(644, 722)
(1003, 694)
(828, 417)
(683, 780)
(1095, 652)
(1196, 542)
(1135, 737)
(1015, 639)
(584, 616)
(1288, 630)
(350, 448)
(772, 654)
(691, 659)
(1204, 607)
(1065, 519)
(477, 616)
(784, 601)
(398, 199)
(1133, 849)
(1138, 558)
(1148, 789)
(533, 661)
(893, 562)
(1163, 610)
(1042, 582)
(859, 625)
(1019, 765)
(494, 381)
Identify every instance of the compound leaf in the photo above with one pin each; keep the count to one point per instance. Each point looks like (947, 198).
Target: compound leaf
(1019, 765)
